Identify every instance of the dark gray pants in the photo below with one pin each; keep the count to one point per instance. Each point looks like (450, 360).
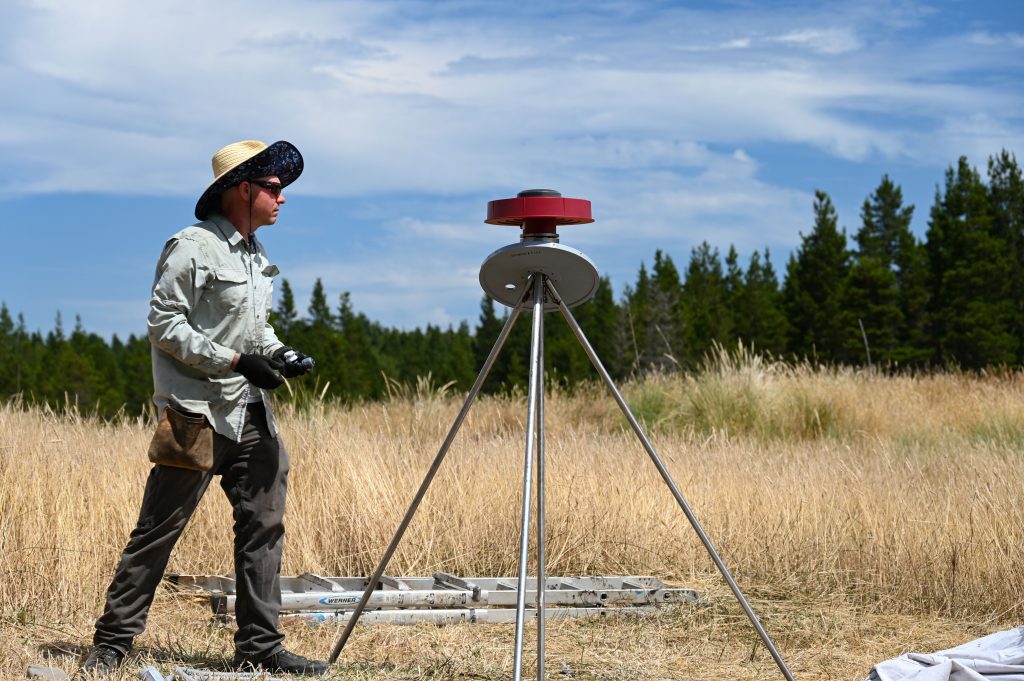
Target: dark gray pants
(254, 475)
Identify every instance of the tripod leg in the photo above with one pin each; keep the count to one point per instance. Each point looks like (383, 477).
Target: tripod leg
(668, 481)
(531, 425)
(375, 578)
(541, 572)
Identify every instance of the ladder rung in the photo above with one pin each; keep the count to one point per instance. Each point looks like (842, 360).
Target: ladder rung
(394, 583)
(321, 583)
(449, 580)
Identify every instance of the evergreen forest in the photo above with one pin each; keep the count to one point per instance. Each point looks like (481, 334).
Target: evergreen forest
(880, 297)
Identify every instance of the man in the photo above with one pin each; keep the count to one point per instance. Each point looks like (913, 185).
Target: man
(215, 355)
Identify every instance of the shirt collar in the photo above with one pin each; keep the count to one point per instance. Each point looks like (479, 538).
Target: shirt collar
(227, 230)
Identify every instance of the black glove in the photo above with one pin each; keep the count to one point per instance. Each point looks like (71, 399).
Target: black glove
(261, 372)
(295, 363)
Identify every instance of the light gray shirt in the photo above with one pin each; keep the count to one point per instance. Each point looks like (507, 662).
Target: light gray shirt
(211, 298)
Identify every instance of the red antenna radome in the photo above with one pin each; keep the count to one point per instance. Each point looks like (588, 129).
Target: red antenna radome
(538, 211)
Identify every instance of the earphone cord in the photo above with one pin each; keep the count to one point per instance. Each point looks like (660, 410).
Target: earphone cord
(250, 242)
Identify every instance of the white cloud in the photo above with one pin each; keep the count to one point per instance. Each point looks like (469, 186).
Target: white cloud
(736, 44)
(828, 41)
(979, 137)
(438, 102)
(989, 39)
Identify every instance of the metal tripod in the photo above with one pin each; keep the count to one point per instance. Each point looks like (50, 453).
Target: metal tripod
(542, 290)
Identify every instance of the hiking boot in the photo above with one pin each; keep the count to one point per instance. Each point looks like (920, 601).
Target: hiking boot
(284, 662)
(103, 660)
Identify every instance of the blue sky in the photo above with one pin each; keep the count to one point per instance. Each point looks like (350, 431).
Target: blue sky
(681, 122)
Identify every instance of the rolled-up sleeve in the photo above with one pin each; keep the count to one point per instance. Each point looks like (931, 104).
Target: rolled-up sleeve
(271, 342)
(177, 288)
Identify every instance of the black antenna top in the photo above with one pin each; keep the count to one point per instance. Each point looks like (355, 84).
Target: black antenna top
(550, 193)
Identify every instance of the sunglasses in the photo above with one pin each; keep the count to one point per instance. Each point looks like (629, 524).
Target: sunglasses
(272, 187)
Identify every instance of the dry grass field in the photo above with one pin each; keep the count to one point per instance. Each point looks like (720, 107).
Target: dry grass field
(863, 515)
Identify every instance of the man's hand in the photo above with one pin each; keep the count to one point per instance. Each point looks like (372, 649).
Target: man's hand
(262, 372)
(295, 363)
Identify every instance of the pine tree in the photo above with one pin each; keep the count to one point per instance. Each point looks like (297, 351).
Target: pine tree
(363, 378)
(319, 308)
(636, 323)
(134, 358)
(31, 367)
(760, 321)
(487, 329)
(706, 317)
(666, 325)
(898, 326)
(93, 376)
(871, 298)
(870, 306)
(565, 361)
(285, 315)
(515, 356)
(911, 267)
(459, 361)
(8, 360)
(601, 329)
(1006, 203)
(734, 293)
(319, 338)
(971, 274)
(813, 288)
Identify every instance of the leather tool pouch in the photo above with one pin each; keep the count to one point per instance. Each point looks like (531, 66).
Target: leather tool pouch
(182, 440)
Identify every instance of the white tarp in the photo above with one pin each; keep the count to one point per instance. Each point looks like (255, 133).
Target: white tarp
(996, 657)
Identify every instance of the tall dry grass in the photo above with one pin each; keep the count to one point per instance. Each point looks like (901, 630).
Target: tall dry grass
(888, 494)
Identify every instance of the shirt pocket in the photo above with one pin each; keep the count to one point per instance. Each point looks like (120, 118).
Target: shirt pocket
(227, 292)
(265, 292)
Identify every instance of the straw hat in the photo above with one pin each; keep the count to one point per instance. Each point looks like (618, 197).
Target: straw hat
(246, 160)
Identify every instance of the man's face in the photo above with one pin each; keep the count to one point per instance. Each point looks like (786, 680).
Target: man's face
(265, 204)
